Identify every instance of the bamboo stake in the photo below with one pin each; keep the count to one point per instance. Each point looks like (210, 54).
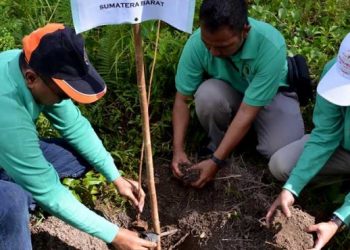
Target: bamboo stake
(145, 128)
(149, 102)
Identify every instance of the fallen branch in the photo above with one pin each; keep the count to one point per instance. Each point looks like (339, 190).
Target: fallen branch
(179, 242)
(167, 233)
(229, 177)
(253, 187)
(272, 244)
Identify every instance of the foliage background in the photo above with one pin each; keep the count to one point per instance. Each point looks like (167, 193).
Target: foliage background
(311, 28)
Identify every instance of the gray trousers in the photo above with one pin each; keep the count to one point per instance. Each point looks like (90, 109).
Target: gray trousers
(277, 124)
(285, 159)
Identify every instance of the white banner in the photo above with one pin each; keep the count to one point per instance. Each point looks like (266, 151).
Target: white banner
(88, 14)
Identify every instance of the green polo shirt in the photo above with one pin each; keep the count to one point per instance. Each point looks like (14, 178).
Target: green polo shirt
(261, 63)
(332, 129)
(24, 162)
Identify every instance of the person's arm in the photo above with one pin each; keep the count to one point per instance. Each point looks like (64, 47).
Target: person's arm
(262, 89)
(324, 231)
(236, 131)
(343, 212)
(25, 163)
(181, 116)
(77, 131)
(189, 76)
(238, 128)
(325, 138)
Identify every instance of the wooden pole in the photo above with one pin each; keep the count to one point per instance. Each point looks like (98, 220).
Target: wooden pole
(141, 82)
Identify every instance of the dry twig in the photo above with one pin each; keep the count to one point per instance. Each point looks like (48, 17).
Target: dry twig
(179, 241)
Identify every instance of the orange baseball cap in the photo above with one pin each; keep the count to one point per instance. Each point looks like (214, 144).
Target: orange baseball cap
(56, 51)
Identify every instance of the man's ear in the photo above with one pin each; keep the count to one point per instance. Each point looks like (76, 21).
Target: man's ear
(30, 77)
(246, 30)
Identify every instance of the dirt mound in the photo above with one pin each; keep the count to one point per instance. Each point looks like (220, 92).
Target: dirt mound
(54, 234)
(290, 232)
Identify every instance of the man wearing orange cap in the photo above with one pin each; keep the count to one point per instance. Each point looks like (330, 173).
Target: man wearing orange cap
(52, 69)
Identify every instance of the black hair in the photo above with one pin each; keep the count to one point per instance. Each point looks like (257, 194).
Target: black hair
(22, 62)
(25, 66)
(215, 14)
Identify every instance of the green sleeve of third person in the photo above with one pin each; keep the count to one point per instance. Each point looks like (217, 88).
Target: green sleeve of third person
(324, 140)
(344, 211)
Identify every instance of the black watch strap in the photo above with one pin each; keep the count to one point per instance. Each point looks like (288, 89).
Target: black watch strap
(341, 225)
(220, 163)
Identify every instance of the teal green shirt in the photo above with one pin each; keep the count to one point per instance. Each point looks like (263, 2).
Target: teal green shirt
(23, 160)
(332, 129)
(261, 63)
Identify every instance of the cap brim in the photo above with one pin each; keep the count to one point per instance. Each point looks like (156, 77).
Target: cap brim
(87, 89)
(335, 88)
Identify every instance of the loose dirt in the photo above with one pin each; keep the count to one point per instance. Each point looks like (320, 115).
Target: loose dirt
(56, 235)
(290, 232)
(225, 214)
(189, 175)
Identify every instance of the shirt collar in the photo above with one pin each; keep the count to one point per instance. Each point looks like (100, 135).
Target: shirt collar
(250, 48)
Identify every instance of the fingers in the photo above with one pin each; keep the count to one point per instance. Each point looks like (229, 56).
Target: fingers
(148, 244)
(176, 171)
(270, 213)
(133, 199)
(127, 239)
(285, 210)
(141, 200)
(200, 182)
(319, 244)
(135, 194)
(196, 166)
(145, 243)
(139, 195)
(312, 228)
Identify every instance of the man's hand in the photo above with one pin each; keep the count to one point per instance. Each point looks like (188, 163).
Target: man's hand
(208, 170)
(178, 158)
(128, 240)
(130, 190)
(325, 231)
(284, 200)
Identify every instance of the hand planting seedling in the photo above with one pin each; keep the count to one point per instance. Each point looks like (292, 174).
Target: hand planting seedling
(140, 225)
(150, 236)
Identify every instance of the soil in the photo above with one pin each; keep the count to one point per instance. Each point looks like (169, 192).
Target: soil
(290, 232)
(227, 213)
(56, 235)
(189, 175)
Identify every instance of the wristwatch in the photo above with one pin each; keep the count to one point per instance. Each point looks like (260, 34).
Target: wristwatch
(220, 163)
(341, 225)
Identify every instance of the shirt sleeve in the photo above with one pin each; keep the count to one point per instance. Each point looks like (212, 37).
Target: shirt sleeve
(325, 138)
(264, 86)
(24, 161)
(77, 131)
(190, 69)
(344, 211)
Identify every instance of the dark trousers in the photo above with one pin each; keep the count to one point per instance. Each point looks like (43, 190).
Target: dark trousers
(16, 202)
